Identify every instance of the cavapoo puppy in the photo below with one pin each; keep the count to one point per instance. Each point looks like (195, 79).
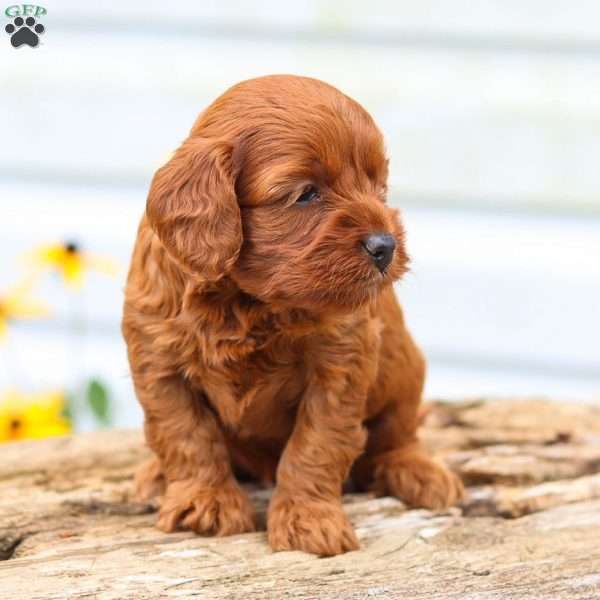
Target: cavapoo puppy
(262, 328)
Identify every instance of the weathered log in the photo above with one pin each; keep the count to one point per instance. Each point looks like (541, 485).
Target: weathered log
(69, 527)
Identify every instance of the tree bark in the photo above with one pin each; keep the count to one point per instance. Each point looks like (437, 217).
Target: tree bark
(529, 530)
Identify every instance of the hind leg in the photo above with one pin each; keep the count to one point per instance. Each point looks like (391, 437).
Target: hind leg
(150, 480)
(394, 461)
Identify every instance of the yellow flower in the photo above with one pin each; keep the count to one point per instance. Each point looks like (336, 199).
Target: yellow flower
(71, 262)
(15, 305)
(32, 415)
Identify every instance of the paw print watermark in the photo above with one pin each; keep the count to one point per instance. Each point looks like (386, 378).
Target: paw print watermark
(24, 32)
(24, 29)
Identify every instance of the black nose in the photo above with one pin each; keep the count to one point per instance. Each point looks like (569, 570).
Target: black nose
(380, 247)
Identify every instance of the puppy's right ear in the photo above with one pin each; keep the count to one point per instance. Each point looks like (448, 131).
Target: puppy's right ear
(193, 208)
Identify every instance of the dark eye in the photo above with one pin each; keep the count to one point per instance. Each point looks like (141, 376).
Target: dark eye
(308, 195)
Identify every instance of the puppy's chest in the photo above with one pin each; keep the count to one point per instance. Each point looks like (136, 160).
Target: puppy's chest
(258, 385)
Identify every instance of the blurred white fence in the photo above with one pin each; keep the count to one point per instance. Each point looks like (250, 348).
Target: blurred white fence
(491, 111)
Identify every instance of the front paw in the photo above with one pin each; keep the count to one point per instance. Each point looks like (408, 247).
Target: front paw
(419, 481)
(222, 510)
(313, 526)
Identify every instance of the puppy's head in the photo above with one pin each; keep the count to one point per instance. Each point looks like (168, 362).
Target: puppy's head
(281, 186)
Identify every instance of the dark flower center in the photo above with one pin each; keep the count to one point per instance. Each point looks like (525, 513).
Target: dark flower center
(72, 247)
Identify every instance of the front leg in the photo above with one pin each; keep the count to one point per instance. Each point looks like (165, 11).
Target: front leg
(395, 462)
(201, 491)
(306, 512)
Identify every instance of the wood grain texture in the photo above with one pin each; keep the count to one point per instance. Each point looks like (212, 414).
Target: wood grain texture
(530, 529)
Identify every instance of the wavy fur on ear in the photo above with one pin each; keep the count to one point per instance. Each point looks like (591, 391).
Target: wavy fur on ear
(192, 207)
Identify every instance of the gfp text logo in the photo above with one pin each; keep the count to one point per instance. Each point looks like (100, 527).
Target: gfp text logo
(24, 29)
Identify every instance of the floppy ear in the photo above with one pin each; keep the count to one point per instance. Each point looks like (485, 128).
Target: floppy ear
(192, 207)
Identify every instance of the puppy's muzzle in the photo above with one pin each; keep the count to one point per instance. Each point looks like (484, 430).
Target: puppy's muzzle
(380, 248)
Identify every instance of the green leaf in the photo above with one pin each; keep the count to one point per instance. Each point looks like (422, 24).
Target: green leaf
(97, 397)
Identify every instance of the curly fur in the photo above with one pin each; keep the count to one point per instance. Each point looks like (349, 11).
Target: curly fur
(261, 337)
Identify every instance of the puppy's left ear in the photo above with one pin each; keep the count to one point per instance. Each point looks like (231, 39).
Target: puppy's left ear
(192, 207)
